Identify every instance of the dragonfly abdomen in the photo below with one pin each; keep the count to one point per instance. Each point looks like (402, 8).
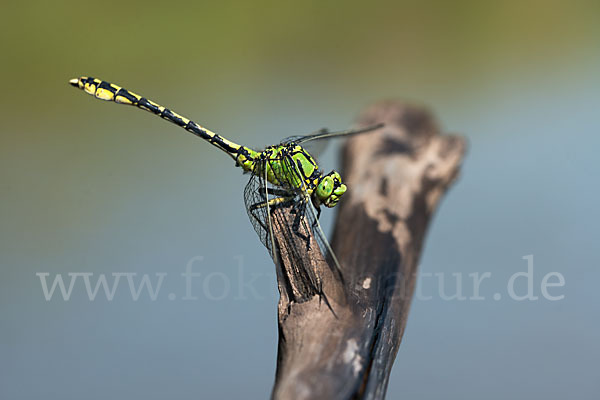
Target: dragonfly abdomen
(104, 90)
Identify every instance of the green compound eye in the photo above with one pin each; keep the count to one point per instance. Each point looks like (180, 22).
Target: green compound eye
(330, 189)
(325, 187)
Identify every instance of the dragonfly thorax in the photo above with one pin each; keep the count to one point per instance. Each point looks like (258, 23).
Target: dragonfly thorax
(291, 166)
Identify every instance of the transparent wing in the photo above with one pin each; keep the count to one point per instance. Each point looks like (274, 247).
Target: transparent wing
(294, 243)
(256, 197)
(315, 148)
(297, 138)
(287, 224)
(273, 212)
(316, 142)
(310, 221)
(326, 134)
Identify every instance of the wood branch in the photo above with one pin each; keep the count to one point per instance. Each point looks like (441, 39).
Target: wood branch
(396, 177)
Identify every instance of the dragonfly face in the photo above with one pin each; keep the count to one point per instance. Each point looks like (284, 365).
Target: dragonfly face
(329, 189)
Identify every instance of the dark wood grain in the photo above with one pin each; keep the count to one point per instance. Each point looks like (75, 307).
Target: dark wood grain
(396, 177)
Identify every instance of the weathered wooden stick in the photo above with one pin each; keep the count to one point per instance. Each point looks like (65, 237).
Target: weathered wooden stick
(396, 176)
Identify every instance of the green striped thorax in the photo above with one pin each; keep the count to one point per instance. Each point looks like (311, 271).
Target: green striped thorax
(303, 174)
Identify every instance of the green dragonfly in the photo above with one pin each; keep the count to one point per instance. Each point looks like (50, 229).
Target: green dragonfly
(282, 176)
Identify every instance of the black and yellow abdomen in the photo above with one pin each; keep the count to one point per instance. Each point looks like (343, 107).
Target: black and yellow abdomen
(104, 90)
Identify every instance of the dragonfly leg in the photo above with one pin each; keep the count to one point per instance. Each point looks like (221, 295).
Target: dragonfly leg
(281, 193)
(296, 226)
(284, 201)
(277, 202)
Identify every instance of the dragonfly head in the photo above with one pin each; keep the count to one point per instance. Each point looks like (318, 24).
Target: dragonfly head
(329, 189)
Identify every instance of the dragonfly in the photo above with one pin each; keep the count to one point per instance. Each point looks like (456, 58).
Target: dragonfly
(283, 176)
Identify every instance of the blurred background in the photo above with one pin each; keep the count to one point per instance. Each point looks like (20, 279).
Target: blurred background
(92, 187)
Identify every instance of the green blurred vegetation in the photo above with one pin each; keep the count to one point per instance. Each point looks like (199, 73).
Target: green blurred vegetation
(233, 46)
